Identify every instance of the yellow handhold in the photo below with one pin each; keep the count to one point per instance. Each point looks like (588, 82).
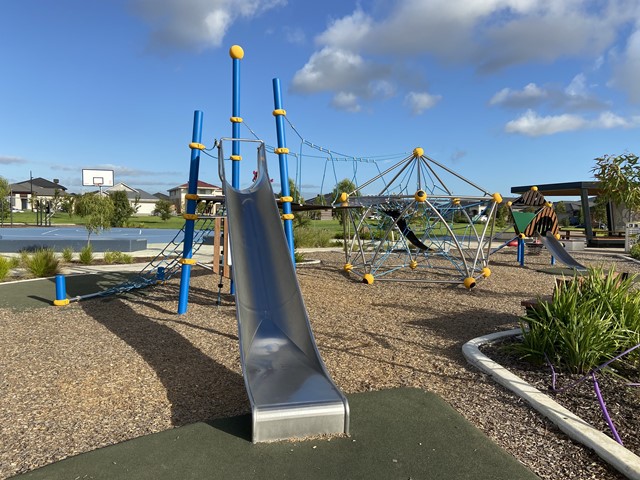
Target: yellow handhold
(236, 52)
(497, 197)
(347, 267)
(279, 111)
(469, 282)
(236, 119)
(344, 196)
(287, 216)
(61, 303)
(190, 216)
(418, 152)
(413, 265)
(420, 196)
(237, 158)
(280, 150)
(367, 278)
(486, 272)
(534, 188)
(187, 261)
(286, 199)
(192, 196)
(197, 146)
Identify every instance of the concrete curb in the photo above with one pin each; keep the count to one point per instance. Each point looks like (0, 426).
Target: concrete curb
(605, 447)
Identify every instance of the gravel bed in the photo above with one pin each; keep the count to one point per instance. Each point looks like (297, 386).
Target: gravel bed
(105, 370)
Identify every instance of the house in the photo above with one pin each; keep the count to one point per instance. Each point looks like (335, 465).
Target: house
(25, 195)
(177, 194)
(142, 201)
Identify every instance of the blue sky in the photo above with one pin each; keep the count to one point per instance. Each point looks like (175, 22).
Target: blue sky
(505, 92)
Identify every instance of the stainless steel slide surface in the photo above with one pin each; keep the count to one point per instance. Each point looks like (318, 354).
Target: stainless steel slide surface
(290, 391)
(557, 250)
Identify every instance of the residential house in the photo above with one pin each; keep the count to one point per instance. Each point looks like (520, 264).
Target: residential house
(142, 201)
(177, 194)
(29, 194)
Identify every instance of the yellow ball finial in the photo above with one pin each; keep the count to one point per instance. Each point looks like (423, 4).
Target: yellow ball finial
(344, 196)
(418, 152)
(534, 188)
(469, 282)
(420, 196)
(236, 52)
(509, 203)
(497, 197)
(486, 272)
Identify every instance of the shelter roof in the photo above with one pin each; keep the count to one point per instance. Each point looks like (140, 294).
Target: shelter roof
(568, 189)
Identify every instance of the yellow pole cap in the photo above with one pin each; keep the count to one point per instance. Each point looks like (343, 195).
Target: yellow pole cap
(347, 267)
(368, 279)
(236, 52)
(61, 303)
(497, 197)
(418, 152)
(469, 282)
(549, 204)
(509, 203)
(534, 188)
(522, 236)
(486, 272)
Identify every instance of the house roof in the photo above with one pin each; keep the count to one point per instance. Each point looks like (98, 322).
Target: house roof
(132, 193)
(39, 186)
(201, 184)
(161, 196)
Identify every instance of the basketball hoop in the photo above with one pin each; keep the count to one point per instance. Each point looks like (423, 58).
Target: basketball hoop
(98, 182)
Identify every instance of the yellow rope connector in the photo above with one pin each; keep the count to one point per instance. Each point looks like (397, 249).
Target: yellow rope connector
(418, 152)
(486, 272)
(367, 278)
(497, 197)
(237, 158)
(286, 199)
(456, 201)
(469, 282)
(190, 216)
(347, 267)
(509, 203)
(192, 196)
(413, 264)
(61, 303)
(279, 111)
(197, 146)
(344, 196)
(187, 261)
(549, 204)
(236, 119)
(280, 150)
(420, 196)
(287, 216)
(236, 52)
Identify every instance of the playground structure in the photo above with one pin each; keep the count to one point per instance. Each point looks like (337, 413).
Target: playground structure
(416, 229)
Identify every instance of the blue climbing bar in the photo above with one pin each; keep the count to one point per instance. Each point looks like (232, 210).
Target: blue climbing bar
(190, 216)
(282, 152)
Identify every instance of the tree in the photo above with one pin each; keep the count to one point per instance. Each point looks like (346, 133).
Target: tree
(122, 209)
(5, 207)
(343, 186)
(619, 179)
(163, 208)
(96, 210)
(300, 219)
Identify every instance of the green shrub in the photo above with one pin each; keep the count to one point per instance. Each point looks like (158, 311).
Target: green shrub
(67, 254)
(588, 321)
(5, 267)
(635, 251)
(310, 237)
(42, 263)
(86, 255)
(117, 257)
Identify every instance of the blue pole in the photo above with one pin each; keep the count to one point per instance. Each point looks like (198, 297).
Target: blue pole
(237, 53)
(61, 291)
(190, 216)
(521, 251)
(282, 152)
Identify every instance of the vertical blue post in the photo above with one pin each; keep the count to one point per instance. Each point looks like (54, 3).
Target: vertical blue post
(61, 291)
(190, 216)
(521, 251)
(553, 260)
(237, 53)
(282, 152)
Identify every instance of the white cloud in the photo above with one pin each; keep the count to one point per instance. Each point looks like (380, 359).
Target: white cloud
(419, 102)
(534, 125)
(627, 72)
(7, 160)
(295, 35)
(195, 24)
(346, 101)
(530, 94)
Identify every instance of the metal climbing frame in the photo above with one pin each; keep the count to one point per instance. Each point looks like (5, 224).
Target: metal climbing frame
(416, 229)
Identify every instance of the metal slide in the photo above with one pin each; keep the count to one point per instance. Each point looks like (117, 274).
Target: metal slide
(557, 250)
(289, 388)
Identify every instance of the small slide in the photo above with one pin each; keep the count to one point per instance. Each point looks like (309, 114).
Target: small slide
(557, 250)
(289, 388)
(405, 230)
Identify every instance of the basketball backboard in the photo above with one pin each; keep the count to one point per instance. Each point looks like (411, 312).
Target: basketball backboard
(97, 178)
